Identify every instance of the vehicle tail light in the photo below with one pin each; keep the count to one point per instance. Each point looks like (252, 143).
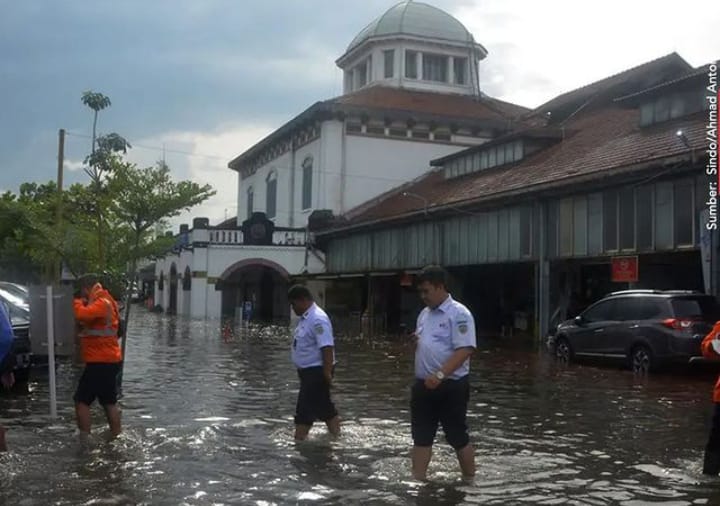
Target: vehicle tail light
(678, 323)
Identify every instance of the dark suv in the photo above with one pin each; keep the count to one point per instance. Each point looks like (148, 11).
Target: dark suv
(645, 328)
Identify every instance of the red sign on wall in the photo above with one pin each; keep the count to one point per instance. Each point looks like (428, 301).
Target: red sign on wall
(625, 269)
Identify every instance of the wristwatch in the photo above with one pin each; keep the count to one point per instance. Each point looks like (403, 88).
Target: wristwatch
(440, 375)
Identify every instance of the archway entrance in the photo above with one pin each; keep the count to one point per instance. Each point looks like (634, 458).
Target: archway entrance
(258, 285)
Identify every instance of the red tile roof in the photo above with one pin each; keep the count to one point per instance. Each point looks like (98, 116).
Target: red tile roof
(597, 143)
(440, 104)
(643, 76)
(441, 107)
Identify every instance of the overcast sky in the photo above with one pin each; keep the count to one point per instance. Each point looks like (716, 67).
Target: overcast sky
(208, 78)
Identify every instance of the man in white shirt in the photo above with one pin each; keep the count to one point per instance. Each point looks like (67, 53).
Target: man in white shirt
(313, 353)
(446, 339)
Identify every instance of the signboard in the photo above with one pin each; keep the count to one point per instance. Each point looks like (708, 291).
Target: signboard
(63, 316)
(625, 269)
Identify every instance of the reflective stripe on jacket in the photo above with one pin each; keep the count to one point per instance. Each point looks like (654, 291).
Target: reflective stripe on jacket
(709, 352)
(99, 319)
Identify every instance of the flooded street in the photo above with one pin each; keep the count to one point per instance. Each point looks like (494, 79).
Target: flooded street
(208, 421)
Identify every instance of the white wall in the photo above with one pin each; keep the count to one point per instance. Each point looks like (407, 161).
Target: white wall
(399, 79)
(283, 165)
(376, 165)
(330, 172)
(371, 166)
(314, 150)
(258, 180)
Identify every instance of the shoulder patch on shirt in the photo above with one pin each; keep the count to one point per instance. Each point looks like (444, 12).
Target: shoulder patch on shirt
(462, 327)
(318, 328)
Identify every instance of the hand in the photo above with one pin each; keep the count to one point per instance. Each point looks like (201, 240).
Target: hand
(432, 382)
(8, 380)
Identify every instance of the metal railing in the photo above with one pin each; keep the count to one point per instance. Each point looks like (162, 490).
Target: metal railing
(282, 237)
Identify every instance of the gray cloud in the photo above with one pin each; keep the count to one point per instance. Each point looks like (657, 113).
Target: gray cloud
(242, 65)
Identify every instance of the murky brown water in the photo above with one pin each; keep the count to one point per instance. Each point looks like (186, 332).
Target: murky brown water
(210, 422)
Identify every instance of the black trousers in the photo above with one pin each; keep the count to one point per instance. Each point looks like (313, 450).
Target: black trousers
(446, 405)
(313, 402)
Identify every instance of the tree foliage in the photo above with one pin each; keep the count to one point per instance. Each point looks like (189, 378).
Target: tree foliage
(119, 206)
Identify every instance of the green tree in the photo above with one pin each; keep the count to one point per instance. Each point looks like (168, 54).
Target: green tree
(97, 102)
(146, 197)
(103, 158)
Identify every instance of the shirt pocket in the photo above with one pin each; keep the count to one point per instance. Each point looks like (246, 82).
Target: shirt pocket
(441, 332)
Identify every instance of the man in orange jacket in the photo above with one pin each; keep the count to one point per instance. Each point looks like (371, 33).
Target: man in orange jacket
(711, 349)
(97, 314)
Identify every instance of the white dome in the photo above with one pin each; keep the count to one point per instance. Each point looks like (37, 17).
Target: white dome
(415, 19)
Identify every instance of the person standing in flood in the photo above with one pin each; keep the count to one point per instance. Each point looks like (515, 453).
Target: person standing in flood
(7, 360)
(446, 339)
(711, 349)
(313, 354)
(97, 314)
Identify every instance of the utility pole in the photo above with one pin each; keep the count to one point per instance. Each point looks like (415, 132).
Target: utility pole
(58, 218)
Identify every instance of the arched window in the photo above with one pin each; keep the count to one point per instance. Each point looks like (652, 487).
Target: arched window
(249, 202)
(307, 175)
(271, 195)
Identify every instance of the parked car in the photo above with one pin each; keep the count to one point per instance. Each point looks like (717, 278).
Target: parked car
(20, 320)
(20, 291)
(644, 328)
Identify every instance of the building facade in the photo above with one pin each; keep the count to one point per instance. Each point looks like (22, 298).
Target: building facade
(411, 95)
(531, 223)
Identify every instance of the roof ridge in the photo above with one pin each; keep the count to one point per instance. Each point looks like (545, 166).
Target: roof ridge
(587, 86)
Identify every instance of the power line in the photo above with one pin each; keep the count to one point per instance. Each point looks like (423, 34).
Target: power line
(161, 149)
(276, 167)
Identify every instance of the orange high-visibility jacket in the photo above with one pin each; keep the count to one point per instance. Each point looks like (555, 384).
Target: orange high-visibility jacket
(709, 352)
(99, 320)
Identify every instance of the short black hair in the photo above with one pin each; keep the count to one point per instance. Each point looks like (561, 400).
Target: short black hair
(298, 292)
(433, 274)
(88, 280)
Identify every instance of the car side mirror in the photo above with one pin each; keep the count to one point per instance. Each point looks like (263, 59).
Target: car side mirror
(579, 320)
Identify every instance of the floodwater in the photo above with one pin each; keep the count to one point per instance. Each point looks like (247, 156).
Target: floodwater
(208, 421)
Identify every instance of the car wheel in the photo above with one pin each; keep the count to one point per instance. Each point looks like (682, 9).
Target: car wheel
(641, 360)
(563, 351)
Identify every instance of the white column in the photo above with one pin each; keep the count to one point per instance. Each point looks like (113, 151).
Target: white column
(419, 64)
(199, 266)
(157, 294)
(451, 70)
(214, 302)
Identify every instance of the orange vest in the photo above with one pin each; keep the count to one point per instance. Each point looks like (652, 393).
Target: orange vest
(99, 319)
(709, 352)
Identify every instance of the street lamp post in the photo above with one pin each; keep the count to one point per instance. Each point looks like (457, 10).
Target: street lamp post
(57, 277)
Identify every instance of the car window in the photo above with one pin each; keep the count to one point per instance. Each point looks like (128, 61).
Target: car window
(693, 307)
(640, 308)
(602, 311)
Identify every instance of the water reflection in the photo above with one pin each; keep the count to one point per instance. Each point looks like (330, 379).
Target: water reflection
(208, 416)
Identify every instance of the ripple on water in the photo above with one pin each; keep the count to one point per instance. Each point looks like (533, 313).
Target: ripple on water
(208, 420)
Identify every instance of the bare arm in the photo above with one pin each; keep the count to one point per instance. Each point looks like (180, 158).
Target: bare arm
(328, 358)
(457, 359)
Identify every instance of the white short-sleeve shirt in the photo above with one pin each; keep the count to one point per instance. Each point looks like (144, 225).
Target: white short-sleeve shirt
(313, 332)
(440, 332)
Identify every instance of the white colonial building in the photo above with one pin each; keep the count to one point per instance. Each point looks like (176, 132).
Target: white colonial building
(411, 94)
